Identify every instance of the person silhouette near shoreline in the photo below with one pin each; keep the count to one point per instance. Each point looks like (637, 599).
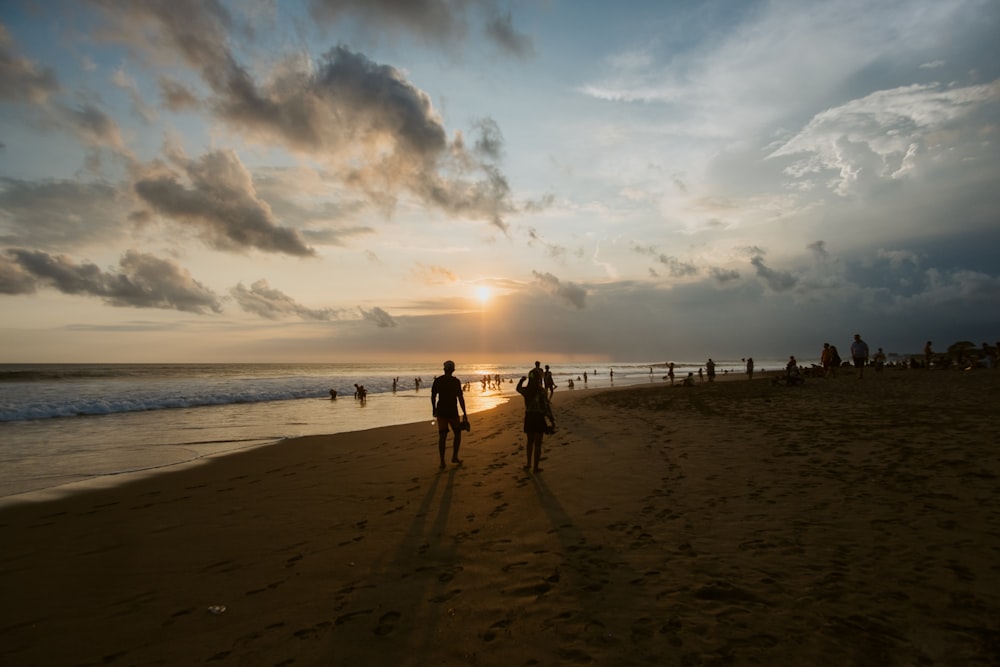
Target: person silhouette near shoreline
(859, 354)
(446, 397)
(536, 410)
(550, 384)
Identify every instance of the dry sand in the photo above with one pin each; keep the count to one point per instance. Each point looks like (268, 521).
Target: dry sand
(838, 523)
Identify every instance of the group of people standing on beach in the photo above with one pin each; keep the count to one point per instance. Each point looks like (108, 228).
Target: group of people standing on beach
(447, 397)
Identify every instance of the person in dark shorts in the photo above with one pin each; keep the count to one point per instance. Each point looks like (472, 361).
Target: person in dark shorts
(859, 354)
(446, 397)
(550, 383)
(536, 411)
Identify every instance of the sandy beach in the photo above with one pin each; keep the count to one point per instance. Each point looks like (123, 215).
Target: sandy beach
(842, 522)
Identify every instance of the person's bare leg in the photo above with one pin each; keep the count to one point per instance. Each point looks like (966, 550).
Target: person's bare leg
(442, 439)
(538, 451)
(454, 448)
(529, 448)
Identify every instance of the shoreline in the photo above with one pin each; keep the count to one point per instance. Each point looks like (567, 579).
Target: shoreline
(154, 442)
(838, 522)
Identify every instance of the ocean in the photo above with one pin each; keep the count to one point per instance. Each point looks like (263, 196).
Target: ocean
(63, 426)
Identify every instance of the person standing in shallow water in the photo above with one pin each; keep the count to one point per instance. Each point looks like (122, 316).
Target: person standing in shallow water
(446, 397)
(536, 410)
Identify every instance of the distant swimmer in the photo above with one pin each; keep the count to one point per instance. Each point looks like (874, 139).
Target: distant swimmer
(333, 394)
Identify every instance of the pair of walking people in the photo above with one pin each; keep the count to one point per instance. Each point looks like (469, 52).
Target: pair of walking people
(447, 396)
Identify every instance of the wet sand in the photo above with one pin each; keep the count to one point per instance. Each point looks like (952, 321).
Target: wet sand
(733, 523)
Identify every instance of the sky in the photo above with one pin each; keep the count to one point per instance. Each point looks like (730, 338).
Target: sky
(494, 181)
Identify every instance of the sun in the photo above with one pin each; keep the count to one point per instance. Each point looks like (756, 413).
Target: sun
(484, 294)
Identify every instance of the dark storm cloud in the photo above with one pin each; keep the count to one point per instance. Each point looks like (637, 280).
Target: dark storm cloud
(216, 196)
(21, 80)
(378, 317)
(568, 292)
(272, 304)
(363, 119)
(58, 215)
(436, 22)
(779, 281)
(143, 281)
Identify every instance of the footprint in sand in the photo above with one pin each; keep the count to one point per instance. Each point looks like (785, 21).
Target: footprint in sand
(491, 634)
(386, 623)
(438, 599)
(497, 510)
(510, 566)
(344, 618)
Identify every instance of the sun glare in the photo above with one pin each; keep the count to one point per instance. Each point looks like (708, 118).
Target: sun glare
(484, 294)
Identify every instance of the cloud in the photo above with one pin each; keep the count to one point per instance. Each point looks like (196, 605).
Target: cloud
(435, 22)
(675, 267)
(176, 96)
(724, 275)
(142, 281)
(899, 259)
(490, 140)
(22, 80)
(15, 278)
(878, 137)
(58, 214)
(552, 250)
(569, 293)
(124, 80)
(818, 248)
(433, 275)
(365, 121)
(779, 281)
(216, 196)
(273, 304)
(500, 28)
(92, 126)
(379, 317)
